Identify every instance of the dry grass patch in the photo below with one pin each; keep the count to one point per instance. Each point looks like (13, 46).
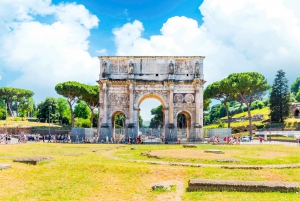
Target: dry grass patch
(192, 154)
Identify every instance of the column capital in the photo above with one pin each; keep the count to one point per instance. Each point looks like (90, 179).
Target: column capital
(171, 86)
(131, 86)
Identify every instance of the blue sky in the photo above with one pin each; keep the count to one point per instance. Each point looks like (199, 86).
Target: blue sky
(44, 42)
(115, 13)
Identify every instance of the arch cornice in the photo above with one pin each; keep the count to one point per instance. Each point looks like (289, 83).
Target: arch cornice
(143, 95)
(183, 111)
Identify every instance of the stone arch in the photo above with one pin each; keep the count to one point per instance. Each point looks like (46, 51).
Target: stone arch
(297, 113)
(156, 96)
(163, 102)
(188, 115)
(113, 128)
(184, 112)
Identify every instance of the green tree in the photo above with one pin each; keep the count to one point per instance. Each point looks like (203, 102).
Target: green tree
(297, 97)
(206, 103)
(140, 121)
(64, 111)
(71, 91)
(250, 86)
(81, 110)
(295, 87)
(280, 98)
(46, 108)
(14, 96)
(222, 91)
(157, 120)
(90, 94)
(120, 120)
(26, 106)
(2, 114)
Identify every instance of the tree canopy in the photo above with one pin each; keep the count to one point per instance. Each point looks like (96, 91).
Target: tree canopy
(72, 91)
(250, 86)
(90, 95)
(222, 90)
(280, 98)
(295, 87)
(157, 120)
(14, 96)
(48, 107)
(81, 110)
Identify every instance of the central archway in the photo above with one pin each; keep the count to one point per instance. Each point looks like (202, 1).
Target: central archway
(153, 133)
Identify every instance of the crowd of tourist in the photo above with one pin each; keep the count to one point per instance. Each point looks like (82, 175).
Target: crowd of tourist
(230, 140)
(5, 139)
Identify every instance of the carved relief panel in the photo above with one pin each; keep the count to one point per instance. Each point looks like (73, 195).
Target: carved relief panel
(184, 66)
(184, 100)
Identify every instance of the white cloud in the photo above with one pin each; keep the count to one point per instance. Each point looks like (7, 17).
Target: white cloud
(46, 54)
(245, 35)
(0, 77)
(102, 52)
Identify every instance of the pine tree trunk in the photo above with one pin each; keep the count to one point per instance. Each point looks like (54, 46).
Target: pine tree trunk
(228, 116)
(92, 117)
(249, 115)
(72, 114)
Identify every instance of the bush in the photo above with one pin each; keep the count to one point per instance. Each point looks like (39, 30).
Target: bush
(83, 123)
(17, 119)
(260, 126)
(2, 114)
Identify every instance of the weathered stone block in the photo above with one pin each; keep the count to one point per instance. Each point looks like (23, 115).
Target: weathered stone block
(33, 160)
(242, 186)
(4, 166)
(189, 146)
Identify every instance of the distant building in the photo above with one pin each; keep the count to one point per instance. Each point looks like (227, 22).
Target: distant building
(295, 109)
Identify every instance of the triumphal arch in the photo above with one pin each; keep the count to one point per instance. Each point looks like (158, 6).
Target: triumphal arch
(176, 81)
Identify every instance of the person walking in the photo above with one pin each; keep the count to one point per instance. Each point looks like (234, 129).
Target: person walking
(260, 139)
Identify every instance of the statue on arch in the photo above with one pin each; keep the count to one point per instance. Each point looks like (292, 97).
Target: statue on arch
(131, 70)
(104, 67)
(197, 69)
(171, 68)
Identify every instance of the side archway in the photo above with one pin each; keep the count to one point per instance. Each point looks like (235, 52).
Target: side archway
(183, 124)
(118, 122)
(297, 113)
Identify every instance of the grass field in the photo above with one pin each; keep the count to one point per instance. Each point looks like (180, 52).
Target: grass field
(24, 124)
(79, 173)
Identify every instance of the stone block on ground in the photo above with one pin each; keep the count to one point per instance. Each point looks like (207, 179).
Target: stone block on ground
(229, 160)
(73, 154)
(4, 166)
(149, 155)
(242, 186)
(213, 151)
(34, 160)
(162, 187)
(189, 146)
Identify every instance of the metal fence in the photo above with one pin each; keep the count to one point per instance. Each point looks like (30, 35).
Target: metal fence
(82, 134)
(221, 133)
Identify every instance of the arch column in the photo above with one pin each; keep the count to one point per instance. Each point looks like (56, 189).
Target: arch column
(171, 104)
(188, 126)
(131, 103)
(199, 111)
(166, 112)
(102, 119)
